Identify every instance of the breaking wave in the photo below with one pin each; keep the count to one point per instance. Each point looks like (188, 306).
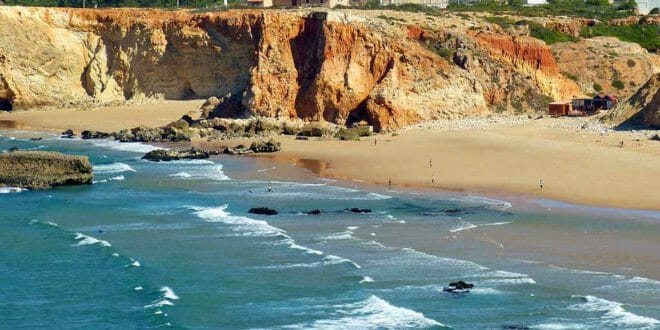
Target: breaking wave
(89, 240)
(613, 313)
(136, 147)
(113, 168)
(371, 313)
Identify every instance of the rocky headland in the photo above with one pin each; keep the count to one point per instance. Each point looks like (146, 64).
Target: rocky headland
(43, 170)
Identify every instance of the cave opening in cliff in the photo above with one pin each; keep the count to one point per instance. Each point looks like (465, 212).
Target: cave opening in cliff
(6, 105)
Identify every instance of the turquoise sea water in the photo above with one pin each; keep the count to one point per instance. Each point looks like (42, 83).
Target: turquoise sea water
(152, 245)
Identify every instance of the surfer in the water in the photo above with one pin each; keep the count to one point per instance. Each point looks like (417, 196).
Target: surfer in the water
(270, 188)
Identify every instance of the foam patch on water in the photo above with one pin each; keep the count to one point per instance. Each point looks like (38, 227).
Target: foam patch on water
(182, 175)
(205, 170)
(371, 313)
(366, 279)
(118, 178)
(244, 226)
(134, 263)
(11, 190)
(89, 240)
(489, 202)
(468, 226)
(165, 299)
(113, 168)
(613, 313)
(343, 235)
(326, 261)
(136, 147)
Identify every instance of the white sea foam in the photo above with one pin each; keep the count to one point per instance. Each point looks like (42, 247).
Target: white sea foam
(613, 312)
(89, 240)
(366, 279)
(509, 281)
(205, 170)
(10, 190)
(490, 202)
(138, 288)
(182, 175)
(118, 178)
(326, 261)
(124, 146)
(379, 196)
(559, 326)
(371, 313)
(113, 168)
(342, 235)
(244, 226)
(134, 263)
(165, 300)
(352, 227)
(292, 244)
(468, 225)
(168, 293)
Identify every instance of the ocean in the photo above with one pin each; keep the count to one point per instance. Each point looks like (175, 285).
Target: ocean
(171, 245)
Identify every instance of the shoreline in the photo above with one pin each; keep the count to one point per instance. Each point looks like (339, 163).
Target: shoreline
(578, 159)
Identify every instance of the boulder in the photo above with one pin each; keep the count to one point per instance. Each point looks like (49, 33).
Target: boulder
(238, 150)
(43, 169)
(319, 129)
(167, 155)
(458, 287)
(261, 146)
(313, 212)
(655, 137)
(36, 139)
(358, 210)
(94, 135)
(68, 134)
(263, 210)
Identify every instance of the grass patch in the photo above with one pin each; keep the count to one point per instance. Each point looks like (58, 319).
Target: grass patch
(503, 22)
(570, 76)
(549, 36)
(647, 36)
(573, 8)
(618, 84)
(598, 87)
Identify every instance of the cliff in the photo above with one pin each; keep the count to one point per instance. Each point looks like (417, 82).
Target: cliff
(642, 108)
(338, 66)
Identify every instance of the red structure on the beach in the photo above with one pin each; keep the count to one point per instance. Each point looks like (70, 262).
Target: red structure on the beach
(582, 106)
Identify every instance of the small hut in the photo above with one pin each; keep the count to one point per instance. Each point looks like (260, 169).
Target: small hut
(604, 101)
(559, 108)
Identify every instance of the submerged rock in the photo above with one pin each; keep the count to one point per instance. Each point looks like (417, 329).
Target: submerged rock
(43, 169)
(166, 155)
(263, 210)
(313, 212)
(358, 210)
(238, 150)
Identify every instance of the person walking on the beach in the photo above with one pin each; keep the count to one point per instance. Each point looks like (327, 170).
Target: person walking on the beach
(390, 183)
(375, 141)
(541, 184)
(431, 162)
(433, 178)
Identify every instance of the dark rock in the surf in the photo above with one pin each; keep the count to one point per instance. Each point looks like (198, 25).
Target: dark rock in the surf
(458, 287)
(261, 146)
(655, 137)
(454, 211)
(263, 211)
(68, 134)
(358, 210)
(313, 212)
(86, 135)
(238, 150)
(43, 169)
(12, 149)
(36, 139)
(166, 155)
(515, 327)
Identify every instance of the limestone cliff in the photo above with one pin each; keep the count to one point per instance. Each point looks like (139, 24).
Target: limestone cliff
(338, 66)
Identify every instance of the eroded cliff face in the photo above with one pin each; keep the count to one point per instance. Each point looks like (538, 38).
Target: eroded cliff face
(334, 66)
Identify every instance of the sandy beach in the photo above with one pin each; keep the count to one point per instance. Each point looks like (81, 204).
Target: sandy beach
(509, 156)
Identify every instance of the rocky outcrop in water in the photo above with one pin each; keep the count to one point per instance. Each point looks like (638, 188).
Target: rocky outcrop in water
(43, 170)
(167, 155)
(263, 211)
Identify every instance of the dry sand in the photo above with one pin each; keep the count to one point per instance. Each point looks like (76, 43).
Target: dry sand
(577, 166)
(109, 118)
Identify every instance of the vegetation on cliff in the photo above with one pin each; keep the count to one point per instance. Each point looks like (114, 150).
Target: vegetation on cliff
(648, 36)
